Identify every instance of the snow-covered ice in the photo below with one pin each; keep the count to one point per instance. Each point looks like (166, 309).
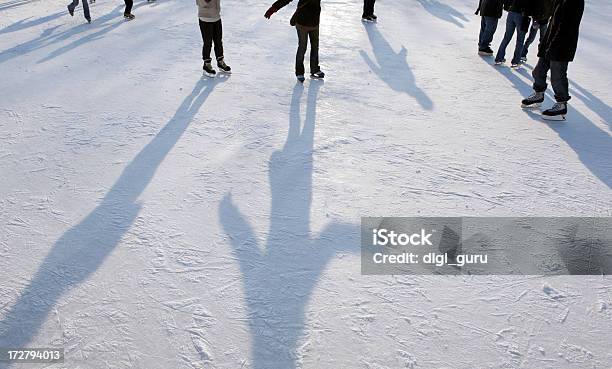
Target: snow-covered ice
(150, 218)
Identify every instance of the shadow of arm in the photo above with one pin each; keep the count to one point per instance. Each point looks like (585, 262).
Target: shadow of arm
(241, 234)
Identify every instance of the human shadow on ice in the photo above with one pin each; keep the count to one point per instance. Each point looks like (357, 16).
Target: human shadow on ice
(592, 144)
(13, 4)
(49, 36)
(603, 110)
(392, 68)
(28, 22)
(444, 11)
(80, 251)
(280, 276)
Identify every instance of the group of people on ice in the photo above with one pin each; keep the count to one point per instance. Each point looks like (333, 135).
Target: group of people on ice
(556, 21)
(305, 19)
(127, 13)
(558, 24)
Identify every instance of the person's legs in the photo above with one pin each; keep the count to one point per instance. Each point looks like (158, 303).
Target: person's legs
(539, 75)
(207, 37)
(368, 8)
(217, 36)
(533, 30)
(86, 9)
(301, 51)
(559, 81)
(73, 5)
(128, 6)
(510, 27)
(520, 42)
(314, 50)
(483, 26)
(488, 27)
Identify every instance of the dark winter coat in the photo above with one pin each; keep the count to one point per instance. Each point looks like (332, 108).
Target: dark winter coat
(561, 39)
(517, 6)
(490, 8)
(308, 12)
(540, 10)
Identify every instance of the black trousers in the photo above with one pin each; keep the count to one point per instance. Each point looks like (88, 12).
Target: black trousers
(128, 6)
(558, 78)
(368, 7)
(303, 36)
(212, 32)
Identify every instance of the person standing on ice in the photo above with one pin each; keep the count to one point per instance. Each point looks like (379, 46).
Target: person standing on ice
(209, 14)
(490, 12)
(74, 4)
(541, 10)
(368, 11)
(306, 20)
(127, 13)
(556, 51)
(515, 21)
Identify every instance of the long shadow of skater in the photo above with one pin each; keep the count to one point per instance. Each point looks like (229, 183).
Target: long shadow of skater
(591, 143)
(279, 279)
(14, 4)
(49, 36)
(445, 12)
(392, 68)
(83, 248)
(603, 110)
(28, 22)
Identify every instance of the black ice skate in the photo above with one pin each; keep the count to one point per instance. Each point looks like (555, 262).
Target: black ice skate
(557, 112)
(300, 78)
(129, 16)
(533, 101)
(485, 51)
(209, 71)
(224, 67)
(317, 75)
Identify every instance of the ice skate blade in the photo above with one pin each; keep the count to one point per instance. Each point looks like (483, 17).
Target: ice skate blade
(482, 53)
(554, 118)
(531, 106)
(208, 75)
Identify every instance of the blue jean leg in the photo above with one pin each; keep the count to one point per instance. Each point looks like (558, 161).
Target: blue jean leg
(513, 22)
(488, 25)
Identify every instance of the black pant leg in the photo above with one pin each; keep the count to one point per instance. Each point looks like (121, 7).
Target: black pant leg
(368, 7)
(301, 51)
(559, 81)
(206, 30)
(539, 75)
(314, 50)
(128, 6)
(218, 39)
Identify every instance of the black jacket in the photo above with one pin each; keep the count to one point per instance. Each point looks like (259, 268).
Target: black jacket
(490, 8)
(561, 39)
(517, 6)
(540, 10)
(308, 12)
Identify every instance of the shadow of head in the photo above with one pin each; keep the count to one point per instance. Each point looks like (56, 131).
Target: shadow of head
(444, 12)
(392, 67)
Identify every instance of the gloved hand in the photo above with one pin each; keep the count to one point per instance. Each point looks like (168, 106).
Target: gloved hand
(270, 11)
